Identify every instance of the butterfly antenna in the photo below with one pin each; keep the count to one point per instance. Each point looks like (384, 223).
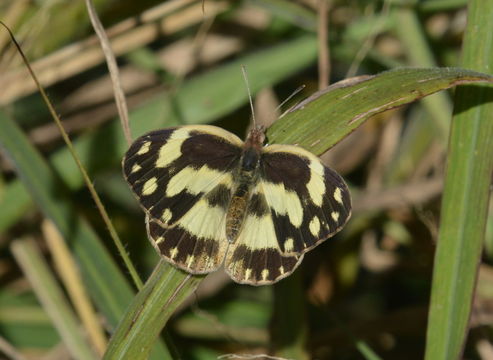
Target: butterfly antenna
(297, 91)
(245, 77)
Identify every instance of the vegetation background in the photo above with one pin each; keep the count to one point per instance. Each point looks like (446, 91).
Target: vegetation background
(364, 294)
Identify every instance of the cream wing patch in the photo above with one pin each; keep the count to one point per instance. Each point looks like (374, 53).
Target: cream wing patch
(171, 150)
(204, 221)
(197, 181)
(282, 201)
(316, 185)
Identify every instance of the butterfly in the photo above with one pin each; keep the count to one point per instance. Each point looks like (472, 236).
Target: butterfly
(211, 199)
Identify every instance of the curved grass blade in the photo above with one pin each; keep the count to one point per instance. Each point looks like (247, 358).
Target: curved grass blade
(465, 198)
(164, 291)
(341, 108)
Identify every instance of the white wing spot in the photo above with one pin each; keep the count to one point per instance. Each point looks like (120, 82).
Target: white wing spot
(171, 151)
(281, 270)
(338, 195)
(282, 201)
(166, 215)
(190, 260)
(135, 168)
(159, 240)
(173, 252)
(248, 273)
(144, 148)
(203, 220)
(289, 245)
(196, 181)
(149, 186)
(207, 261)
(316, 185)
(314, 226)
(265, 274)
(335, 216)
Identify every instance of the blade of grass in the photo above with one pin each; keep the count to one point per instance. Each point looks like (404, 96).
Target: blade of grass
(431, 5)
(51, 296)
(366, 351)
(85, 176)
(338, 110)
(71, 279)
(108, 287)
(465, 198)
(289, 327)
(163, 292)
(120, 100)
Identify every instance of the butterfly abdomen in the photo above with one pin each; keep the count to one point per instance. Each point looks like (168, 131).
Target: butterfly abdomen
(236, 214)
(239, 201)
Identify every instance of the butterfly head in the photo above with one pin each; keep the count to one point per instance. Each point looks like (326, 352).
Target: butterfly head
(256, 138)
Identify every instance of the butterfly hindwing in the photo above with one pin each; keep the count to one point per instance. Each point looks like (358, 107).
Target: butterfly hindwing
(183, 179)
(255, 257)
(196, 254)
(261, 266)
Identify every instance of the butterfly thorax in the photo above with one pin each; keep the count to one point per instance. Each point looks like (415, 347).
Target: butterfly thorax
(246, 178)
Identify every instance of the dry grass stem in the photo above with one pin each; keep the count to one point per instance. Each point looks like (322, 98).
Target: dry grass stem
(80, 56)
(323, 44)
(404, 195)
(121, 103)
(91, 104)
(69, 274)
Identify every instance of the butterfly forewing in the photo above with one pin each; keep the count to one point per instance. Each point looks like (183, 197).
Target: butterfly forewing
(183, 178)
(170, 170)
(309, 202)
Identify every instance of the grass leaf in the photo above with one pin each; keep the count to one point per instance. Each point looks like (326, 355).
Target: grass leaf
(51, 296)
(108, 287)
(465, 198)
(338, 110)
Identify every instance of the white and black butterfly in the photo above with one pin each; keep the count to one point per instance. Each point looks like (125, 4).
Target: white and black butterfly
(212, 199)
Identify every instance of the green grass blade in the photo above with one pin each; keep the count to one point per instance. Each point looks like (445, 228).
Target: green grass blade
(413, 37)
(465, 197)
(290, 11)
(106, 284)
(289, 322)
(51, 296)
(48, 192)
(163, 292)
(337, 111)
